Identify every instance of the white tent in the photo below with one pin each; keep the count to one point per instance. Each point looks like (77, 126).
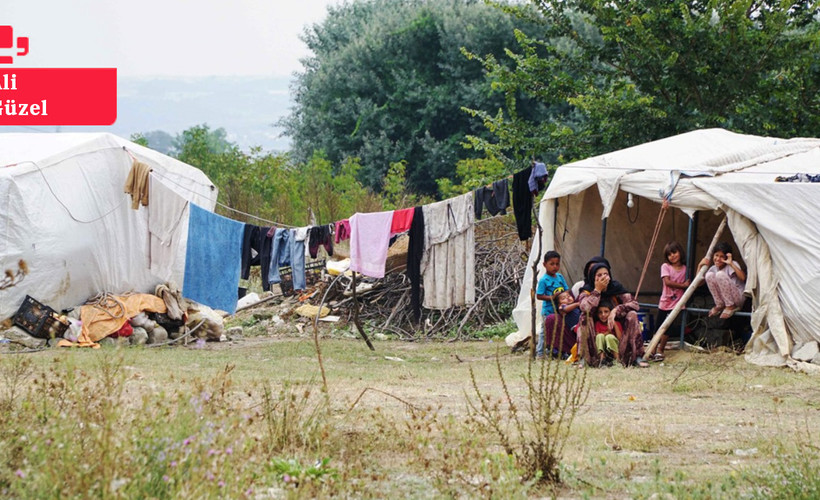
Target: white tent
(713, 172)
(65, 214)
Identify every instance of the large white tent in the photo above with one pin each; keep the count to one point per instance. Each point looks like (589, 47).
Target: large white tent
(65, 214)
(709, 173)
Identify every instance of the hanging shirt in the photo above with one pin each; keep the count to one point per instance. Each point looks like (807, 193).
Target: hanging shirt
(369, 240)
(402, 219)
(167, 230)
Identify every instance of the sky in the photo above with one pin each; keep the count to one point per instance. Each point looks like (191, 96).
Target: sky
(179, 63)
(151, 38)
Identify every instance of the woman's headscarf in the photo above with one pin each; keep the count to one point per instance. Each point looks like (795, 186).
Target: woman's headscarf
(614, 288)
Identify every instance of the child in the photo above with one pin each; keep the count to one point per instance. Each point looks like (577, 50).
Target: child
(606, 339)
(673, 274)
(725, 280)
(558, 326)
(549, 287)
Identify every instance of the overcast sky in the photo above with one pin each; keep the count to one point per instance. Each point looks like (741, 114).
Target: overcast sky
(165, 37)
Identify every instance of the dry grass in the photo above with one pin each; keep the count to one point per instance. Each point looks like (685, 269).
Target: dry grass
(694, 426)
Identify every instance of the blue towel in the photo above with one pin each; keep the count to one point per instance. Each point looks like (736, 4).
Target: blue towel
(212, 260)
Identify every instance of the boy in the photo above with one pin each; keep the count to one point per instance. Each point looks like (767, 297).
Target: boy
(549, 288)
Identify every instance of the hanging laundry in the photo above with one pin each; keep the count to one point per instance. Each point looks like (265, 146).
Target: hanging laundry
(137, 184)
(501, 194)
(495, 199)
(342, 230)
(250, 255)
(369, 239)
(265, 244)
(320, 236)
(522, 203)
(212, 260)
(256, 250)
(280, 254)
(298, 252)
(415, 251)
(402, 219)
(538, 177)
(167, 229)
(448, 264)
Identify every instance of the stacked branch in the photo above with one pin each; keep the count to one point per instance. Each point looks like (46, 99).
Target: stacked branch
(499, 260)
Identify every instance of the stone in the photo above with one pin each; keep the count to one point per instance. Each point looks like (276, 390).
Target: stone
(158, 335)
(20, 336)
(107, 342)
(139, 337)
(176, 333)
(380, 336)
(806, 352)
(52, 342)
(816, 359)
(234, 332)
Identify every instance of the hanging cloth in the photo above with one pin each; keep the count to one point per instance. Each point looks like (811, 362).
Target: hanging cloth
(522, 203)
(213, 259)
(369, 239)
(415, 251)
(448, 264)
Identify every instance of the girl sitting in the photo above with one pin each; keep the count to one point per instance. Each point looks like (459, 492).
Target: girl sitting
(726, 281)
(607, 336)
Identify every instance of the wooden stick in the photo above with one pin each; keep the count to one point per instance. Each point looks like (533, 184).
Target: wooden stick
(356, 316)
(687, 294)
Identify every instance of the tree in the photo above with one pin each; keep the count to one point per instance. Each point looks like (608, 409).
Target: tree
(386, 82)
(626, 72)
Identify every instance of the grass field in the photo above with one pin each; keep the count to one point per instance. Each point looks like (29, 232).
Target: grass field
(248, 419)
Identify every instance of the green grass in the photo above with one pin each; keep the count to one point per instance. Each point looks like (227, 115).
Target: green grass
(229, 420)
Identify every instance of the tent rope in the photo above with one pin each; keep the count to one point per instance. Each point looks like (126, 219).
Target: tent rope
(658, 224)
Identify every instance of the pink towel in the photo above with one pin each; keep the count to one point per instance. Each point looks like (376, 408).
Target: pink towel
(369, 239)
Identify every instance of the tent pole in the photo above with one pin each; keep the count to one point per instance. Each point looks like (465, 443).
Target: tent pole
(603, 236)
(690, 252)
(687, 294)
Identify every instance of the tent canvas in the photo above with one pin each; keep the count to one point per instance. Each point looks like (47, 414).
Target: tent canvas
(65, 214)
(713, 172)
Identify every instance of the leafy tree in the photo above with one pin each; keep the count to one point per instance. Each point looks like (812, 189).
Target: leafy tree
(386, 82)
(625, 72)
(471, 175)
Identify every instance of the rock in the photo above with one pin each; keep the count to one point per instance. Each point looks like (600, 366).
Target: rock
(816, 359)
(158, 335)
(234, 331)
(807, 351)
(139, 337)
(176, 333)
(380, 336)
(139, 320)
(52, 342)
(213, 326)
(108, 342)
(20, 336)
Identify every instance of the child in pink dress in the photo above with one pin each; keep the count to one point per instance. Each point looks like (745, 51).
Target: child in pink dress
(673, 274)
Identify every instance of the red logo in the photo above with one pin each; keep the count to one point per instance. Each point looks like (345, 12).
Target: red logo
(7, 42)
(53, 96)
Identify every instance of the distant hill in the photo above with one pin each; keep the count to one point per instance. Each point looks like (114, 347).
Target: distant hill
(246, 107)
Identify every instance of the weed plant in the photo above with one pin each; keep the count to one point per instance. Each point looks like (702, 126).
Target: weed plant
(533, 432)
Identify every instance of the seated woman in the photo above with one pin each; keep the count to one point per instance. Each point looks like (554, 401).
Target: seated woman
(599, 285)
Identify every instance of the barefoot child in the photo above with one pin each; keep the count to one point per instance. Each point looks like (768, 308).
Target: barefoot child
(607, 334)
(558, 326)
(549, 287)
(726, 281)
(673, 274)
